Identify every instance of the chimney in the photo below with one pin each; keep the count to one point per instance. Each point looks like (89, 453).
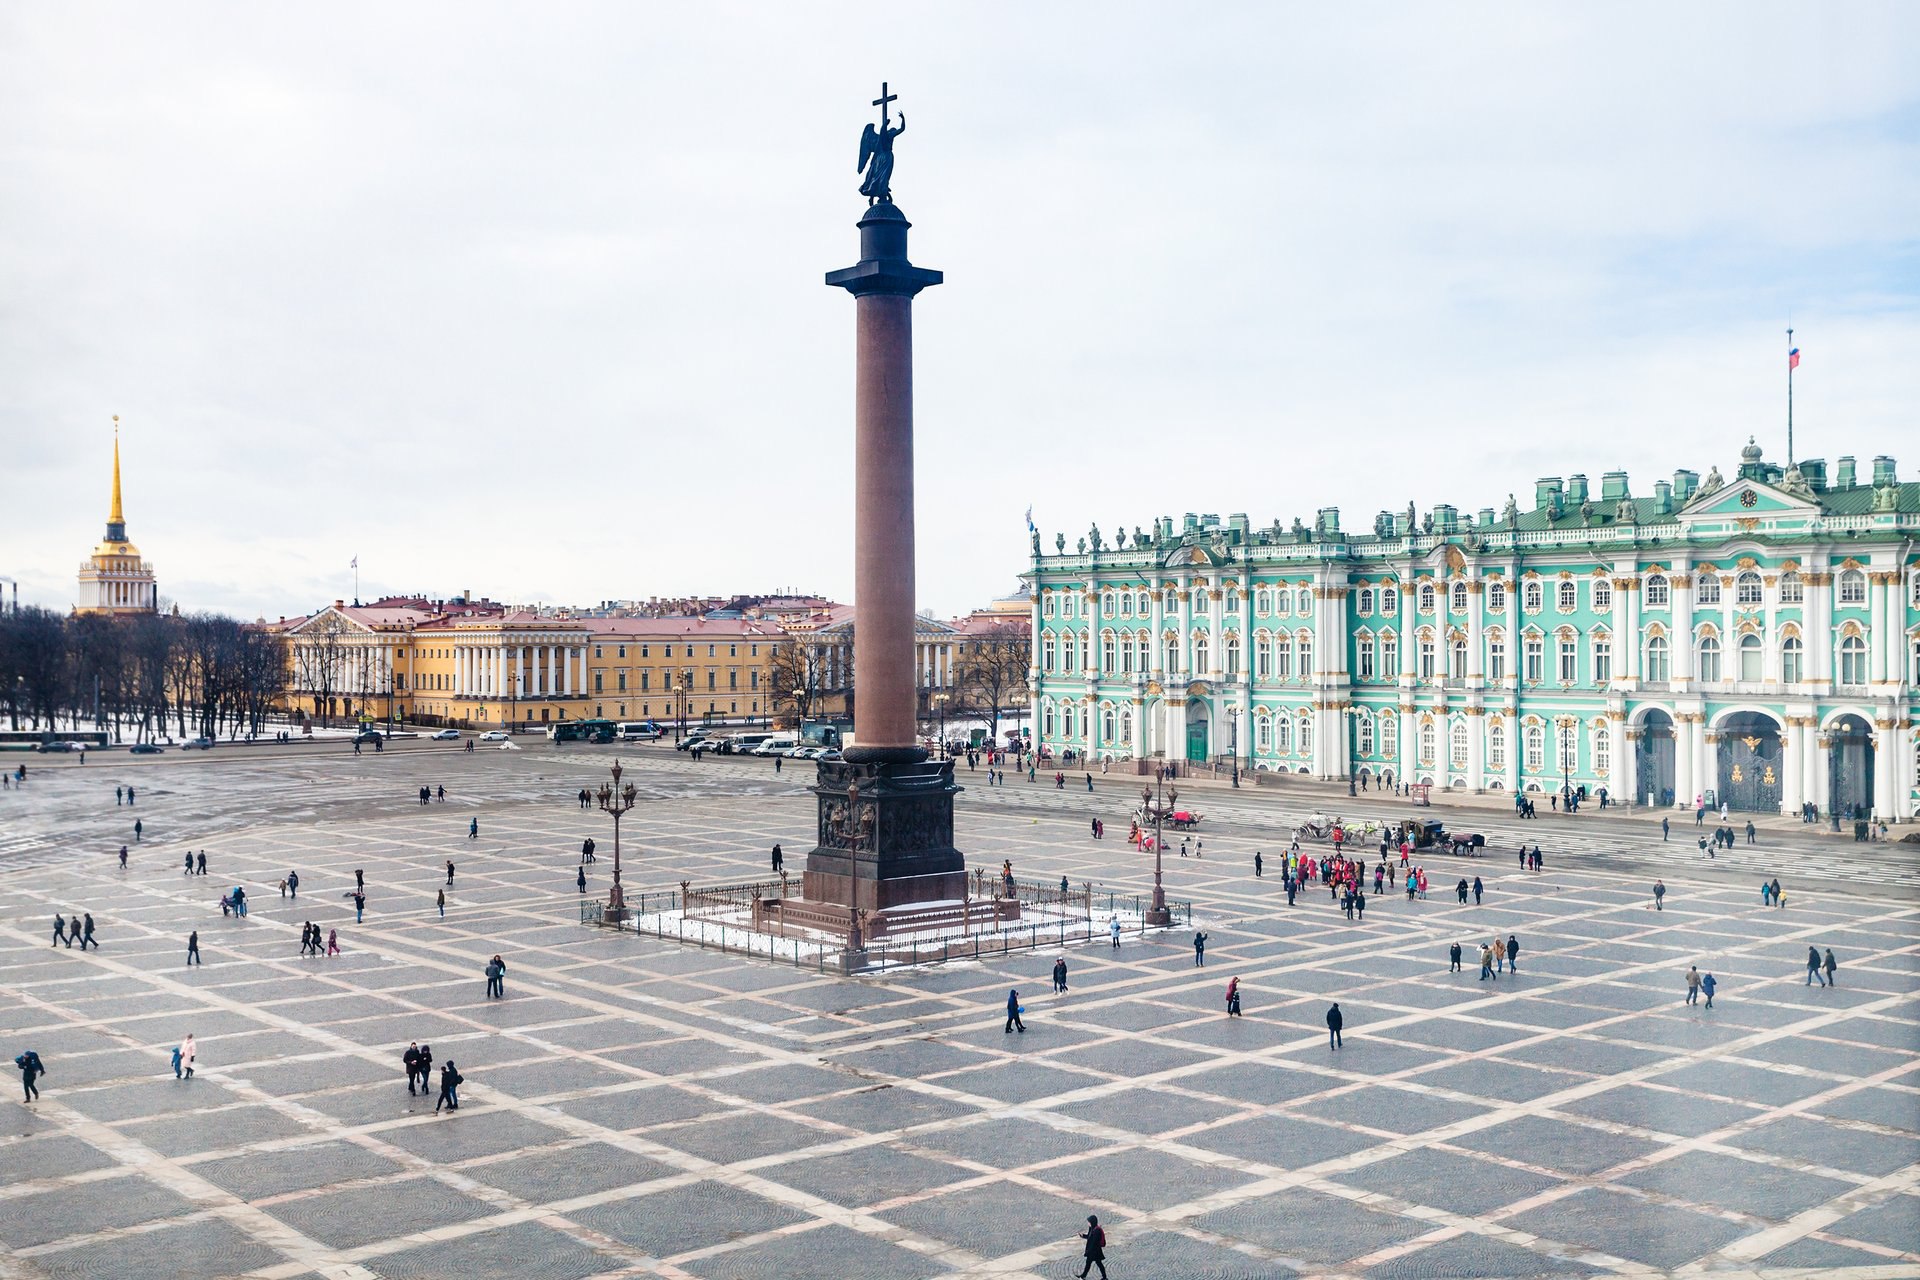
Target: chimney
(1546, 494)
(1327, 521)
(1883, 472)
(1613, 486)
(1446, 519)
(1191, 523)
(1684, 483)
(1843, 474)
(1486, 517)
(1814, 472)
(1662, 497)
(1576, 490)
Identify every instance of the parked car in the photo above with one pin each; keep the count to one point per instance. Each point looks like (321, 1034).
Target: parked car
(830, 754)
(197, 744)
(494, 735)
(56, 748)
(692, 740)
(146, 749)
(447, 735)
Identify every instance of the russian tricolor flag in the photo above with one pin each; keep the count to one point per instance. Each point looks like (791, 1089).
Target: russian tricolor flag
(1793, 359)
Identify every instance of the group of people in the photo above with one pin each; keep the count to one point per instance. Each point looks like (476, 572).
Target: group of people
(311, 943)
(81, 930)
(427, 795)
(418, 1060)
(1496, 958)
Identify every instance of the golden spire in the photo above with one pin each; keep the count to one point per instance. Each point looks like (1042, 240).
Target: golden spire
(114, 516)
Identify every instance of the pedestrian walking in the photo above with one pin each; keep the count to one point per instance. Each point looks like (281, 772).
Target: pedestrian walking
(778, 858)
(1113, 931)
(580, 878)
(31, 1070)
(1335, 1020)
(177, 1060)
(497, 978)
(1831, 967)
(1199, 949)
(1096, 1251)
(293, 885)
(1233, 997)
(333, 942)
(1665, 826)
(449, 871)
(1013, 1012)
(1750, 839)
(1256, 864)
(123, 857)
(200, 864)
(450, 1080)
(1486, 964)
(86, 934)
(193, 947)
(1453, 958)
(1460, 891)
(1776, 891)
(189, 1052)
(411, 1059)
(117, 791)
(440, 901)
(1513, 954)
(473, 829)
(60, 930)
(1476, 890)
(1059, 975)
(440, 792)
(1693, 985)
(1707, 985)
(138, 827)
(1659, 896)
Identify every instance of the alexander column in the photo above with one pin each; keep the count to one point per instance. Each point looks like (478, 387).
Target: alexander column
(886, 813)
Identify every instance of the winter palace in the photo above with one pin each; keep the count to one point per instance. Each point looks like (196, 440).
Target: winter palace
(1753, 641)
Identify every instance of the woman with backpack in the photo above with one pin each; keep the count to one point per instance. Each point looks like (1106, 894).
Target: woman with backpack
(449, 1088)
(30, 1071)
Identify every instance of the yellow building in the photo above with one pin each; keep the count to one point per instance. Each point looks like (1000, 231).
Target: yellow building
(114, 579)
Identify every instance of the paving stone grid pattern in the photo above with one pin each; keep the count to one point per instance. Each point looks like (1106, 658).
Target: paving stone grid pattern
(635, 1108)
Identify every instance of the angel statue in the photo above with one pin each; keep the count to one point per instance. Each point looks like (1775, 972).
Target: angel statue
(876, 152)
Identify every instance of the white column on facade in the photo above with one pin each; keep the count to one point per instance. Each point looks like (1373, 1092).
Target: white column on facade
(1092, 727)
(1409, 620)
(1216, 627)
(1818, 611)
(1680, 592)
(1139, 728)
(462, 671)
(1516, 743)
(1881, 643)
(1626, 644)
(1186, 623)
(1889, 777)
(1476, 738)
(1516, 650)
(1476, 655)
(1793, 770)
(1684, 784)
(1620, 753)
(1729, 641)
(1770, 643)
(1156, 659)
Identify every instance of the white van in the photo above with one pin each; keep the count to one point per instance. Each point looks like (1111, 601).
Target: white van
(778, 744)
(637, 731)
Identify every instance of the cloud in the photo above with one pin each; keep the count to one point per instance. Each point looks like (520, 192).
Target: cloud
(531, 303)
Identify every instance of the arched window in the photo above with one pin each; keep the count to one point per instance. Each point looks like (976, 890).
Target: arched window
(1126, 728)
(1106, 724)
(1303, 601)
(1457, 658)
(1658, 659)
(1126, 604)
(1496, 595)
(1108, 660)
(1853, 587)
(1791, 652)
(1426, 597)
(1792, 589)
(1497, 745)
(1457, 744)
(1425, 667)
(1750, 654)
(1531, 596)
(1173, 652)
(1283, 657)
(1569, 596)
(1046, 605)
(1853, 660)
(1263, 655)
(1046, 718)
(1303, 644)
(1363, 655)
(1602, 749)
(1263, 601)
(1283, 735)
(1363, 734)
(1046, 652)
(1106, 603)
(1706, 589)
(1200, 654)
(1389, 735)
(1602, 595)
(1126, 652)
(1709, 659)
(1496, 654)
(1263, 733)
(1363, 604)
(1233, 653)
(1746, 588)
(1427, 747)
(1066, 605)
(1306, 734)
(1389, 655)
(1536, 748)
(1459, 594)
(1656, 592)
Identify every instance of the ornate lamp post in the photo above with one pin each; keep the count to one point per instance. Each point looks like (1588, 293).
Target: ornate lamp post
(1157, 917)
(1233, 741)
(939, 701)
(1018, 701)
(616, 800)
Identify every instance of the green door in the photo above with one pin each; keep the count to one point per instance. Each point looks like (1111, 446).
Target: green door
(1197, 742)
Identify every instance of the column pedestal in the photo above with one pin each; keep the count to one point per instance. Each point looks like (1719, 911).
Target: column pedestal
(885, 836)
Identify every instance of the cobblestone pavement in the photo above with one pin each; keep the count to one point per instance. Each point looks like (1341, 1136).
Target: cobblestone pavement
(635, 1108)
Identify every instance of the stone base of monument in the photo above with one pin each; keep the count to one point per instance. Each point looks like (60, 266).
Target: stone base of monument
(885, 837)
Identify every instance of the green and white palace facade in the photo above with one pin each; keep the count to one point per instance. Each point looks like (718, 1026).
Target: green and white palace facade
(1753, 641)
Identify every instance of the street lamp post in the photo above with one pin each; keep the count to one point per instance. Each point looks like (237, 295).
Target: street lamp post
(799, 712)
(940, 700)
(1017, 700)
(1233, 741)
(616, 800)
(1566, 760)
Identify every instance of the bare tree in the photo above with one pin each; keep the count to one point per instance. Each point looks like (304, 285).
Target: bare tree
(993, 663)
(796, 675)
(320, 654)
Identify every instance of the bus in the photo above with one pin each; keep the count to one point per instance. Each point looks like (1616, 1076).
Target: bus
(582, 731)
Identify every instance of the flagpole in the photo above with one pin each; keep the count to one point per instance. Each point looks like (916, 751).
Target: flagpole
(1789, 395)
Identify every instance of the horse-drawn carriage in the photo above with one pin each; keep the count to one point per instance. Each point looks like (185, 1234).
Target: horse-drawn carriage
(1469, 844)
(1178, 819)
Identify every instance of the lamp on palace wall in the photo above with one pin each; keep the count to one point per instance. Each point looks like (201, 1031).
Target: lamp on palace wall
(1233, 741)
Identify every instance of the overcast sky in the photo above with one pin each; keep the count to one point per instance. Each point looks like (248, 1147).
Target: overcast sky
(527, 299)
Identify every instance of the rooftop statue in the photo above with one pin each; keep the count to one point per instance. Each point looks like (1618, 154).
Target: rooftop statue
(876, 152)
(1712, 483)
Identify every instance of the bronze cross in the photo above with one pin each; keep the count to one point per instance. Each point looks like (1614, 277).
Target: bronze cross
(882, 101)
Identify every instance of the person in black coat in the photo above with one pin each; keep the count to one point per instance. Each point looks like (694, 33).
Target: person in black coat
(1013, 1012)
(1334, 1022)
(449, 1088)
(1096, 1250)
(411, 1058)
